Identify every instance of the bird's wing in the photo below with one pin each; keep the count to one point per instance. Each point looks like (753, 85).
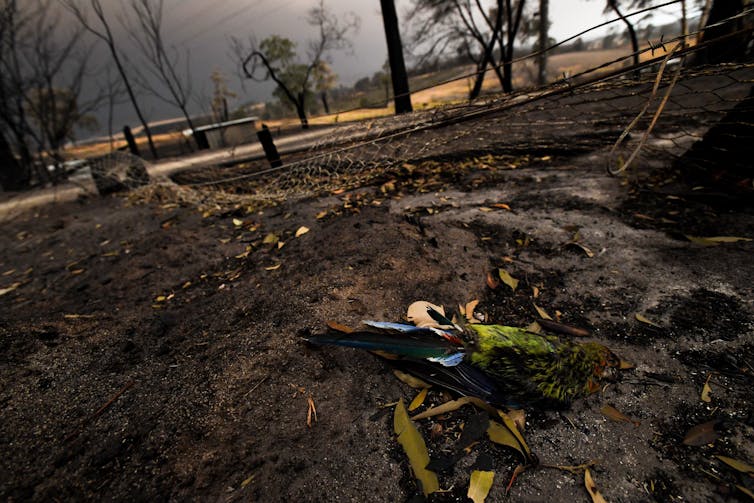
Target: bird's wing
(399, 339)
(463, 379)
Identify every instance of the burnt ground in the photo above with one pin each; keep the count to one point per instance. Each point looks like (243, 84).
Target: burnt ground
(153, 352)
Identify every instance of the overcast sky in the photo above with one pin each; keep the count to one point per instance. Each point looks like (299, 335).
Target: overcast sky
(205, 27)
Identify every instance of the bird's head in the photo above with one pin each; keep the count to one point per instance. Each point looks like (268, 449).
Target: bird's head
(605, 364)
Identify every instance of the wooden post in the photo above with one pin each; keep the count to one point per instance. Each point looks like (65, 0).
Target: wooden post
(544, 26)
(270, 151)
(401, 92)
(131, 141)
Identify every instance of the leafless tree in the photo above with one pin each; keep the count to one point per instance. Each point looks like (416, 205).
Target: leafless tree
(15, 172)
(145, 29)
(470, 29)
(42, 73)
(114, 93)
(105, 34)
(543, 28)
(275, 58)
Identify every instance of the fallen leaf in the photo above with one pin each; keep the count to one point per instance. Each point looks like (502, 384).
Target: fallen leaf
(701, 434)
(591, 488)
(519, 418)
(492, 281)
(746, 491)
(76, 272)
(502, 206)
(77, 316)
(160, 298)
(480, 485)
(452, 405)
(418, 400)
(534, 292)
(270, 239)
(273, 267)
(469, 310)
(418, 315)
(443, 408)
(706, 390)
(614, 414)
(715, 240)
(412, 381)
(248, 480)
(508, 279)
(237, 222)
(521, 446)
(9, 289)
(560, 328)
(485, 209)
(322, 214)
(9, 272)
(415, 448)
(737, 465)
(644, 319)
(301, 231)
(542, 313)
(575, 244)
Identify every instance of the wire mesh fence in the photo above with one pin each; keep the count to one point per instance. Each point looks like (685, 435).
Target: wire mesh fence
(651, 119)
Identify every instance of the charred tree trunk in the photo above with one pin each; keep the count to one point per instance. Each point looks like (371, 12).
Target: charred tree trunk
(325, 105)
(13, 175)
(631, 34)
(544, 26)
(401, 92)
(730, 47)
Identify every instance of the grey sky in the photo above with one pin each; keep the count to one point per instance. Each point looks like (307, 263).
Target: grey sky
(205, 27)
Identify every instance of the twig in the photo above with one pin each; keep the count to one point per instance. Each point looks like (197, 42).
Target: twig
(656, 116)
(256, 385)
(98, 413)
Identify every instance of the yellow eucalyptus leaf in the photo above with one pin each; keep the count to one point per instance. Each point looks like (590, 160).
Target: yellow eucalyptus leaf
(737, 465)
(591, 488)
(415, 448)
(301, 231)
(418, 400)
(412, 381)
(542, 313)
(644, 319)
(480, 485)
(270, 239)
(706, 390)
(715, 240)
(506, 278)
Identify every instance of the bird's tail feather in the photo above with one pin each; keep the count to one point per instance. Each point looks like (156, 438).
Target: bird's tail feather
(398, 339)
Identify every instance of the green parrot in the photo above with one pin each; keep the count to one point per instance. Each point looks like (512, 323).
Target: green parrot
(506, 366)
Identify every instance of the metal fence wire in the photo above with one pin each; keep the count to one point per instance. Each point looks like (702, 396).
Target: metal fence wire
(649, 120)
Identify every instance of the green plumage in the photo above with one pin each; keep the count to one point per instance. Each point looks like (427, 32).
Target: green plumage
(530, 367)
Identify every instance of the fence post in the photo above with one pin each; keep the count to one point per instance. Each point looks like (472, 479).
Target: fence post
(132, 147)
(270, 151)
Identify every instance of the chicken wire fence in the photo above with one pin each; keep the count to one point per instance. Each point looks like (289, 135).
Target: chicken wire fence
(648, 115)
